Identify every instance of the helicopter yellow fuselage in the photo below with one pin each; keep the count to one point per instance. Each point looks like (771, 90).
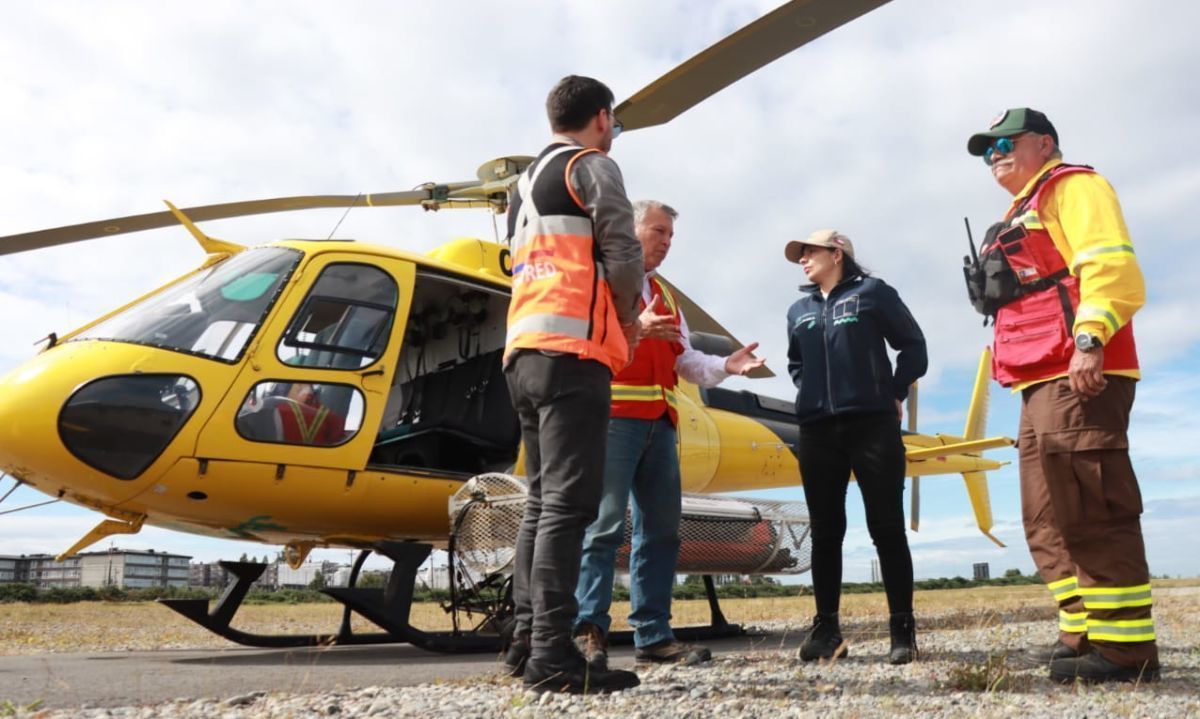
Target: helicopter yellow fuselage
(211, 479)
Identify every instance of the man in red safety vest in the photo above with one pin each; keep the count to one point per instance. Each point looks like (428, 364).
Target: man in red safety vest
(1060, 277)
(642, 457)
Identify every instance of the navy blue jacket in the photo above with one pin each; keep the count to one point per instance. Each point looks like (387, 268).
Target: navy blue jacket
(836, 352)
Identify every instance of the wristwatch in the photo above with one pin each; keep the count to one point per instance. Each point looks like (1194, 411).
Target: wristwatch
(1085, 342)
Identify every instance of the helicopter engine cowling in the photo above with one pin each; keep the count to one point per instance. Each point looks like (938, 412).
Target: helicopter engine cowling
(718, 535)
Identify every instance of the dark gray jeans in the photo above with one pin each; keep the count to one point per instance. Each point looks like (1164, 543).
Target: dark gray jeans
(563, 404)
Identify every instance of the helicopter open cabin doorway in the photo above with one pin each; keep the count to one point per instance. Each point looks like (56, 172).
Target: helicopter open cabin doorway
(448, 409)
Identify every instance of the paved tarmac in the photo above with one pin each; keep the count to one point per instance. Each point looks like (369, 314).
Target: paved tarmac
(131, 678)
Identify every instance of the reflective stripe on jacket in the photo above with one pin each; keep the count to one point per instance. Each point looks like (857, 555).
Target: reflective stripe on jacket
(1034, 336)
(646, 388)
(560, 300)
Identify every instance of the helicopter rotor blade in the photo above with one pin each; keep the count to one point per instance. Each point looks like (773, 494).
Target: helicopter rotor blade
(911, 411)
(154, 220)
(761, 42)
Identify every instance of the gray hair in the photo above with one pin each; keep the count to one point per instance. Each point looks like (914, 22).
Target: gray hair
(641, 207)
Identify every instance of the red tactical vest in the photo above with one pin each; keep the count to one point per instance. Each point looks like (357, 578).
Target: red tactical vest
(646, 388)
(1034, 333)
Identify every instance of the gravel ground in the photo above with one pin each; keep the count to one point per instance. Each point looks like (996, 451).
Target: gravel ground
(964, 671)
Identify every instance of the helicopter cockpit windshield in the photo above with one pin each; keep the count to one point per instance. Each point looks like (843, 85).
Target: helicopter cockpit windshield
(213, 314)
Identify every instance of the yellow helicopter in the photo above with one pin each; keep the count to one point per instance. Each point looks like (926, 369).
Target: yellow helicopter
(333, 393)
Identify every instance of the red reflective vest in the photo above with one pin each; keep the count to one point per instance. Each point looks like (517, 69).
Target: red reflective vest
(560, 298)
(646, 388)
(1034, 337)
(302, 423)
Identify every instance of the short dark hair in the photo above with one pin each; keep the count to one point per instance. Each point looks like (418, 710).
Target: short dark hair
(574, 101)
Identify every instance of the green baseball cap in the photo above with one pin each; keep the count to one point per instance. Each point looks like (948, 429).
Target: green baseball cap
(1011, 122)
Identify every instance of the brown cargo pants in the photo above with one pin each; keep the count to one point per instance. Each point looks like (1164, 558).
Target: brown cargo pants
(1081, 507)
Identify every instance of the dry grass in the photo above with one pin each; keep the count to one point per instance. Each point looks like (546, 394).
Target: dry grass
(97, 626)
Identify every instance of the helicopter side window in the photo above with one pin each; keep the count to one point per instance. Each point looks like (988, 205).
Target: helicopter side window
(306, 413)
(345, 320)
(214, 313)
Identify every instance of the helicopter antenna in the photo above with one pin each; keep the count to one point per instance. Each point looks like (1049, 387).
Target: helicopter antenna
(14, 487)
(495, 229)
(348, 208)
(28, 506)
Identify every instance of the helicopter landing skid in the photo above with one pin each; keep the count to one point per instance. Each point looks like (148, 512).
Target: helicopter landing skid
(388, 608)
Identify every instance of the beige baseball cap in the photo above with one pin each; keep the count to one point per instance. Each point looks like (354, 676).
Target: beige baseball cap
(832, 239)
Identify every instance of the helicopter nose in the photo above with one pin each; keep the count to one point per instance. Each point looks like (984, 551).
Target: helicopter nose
(63, 424)
(23, 411)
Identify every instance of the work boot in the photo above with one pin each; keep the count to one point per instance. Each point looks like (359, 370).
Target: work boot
(671, 651)
(1042, 656)
(903, 629)
(592, 644)
(568, 672)
(516, 656)
(1093, 668)
(824, 640)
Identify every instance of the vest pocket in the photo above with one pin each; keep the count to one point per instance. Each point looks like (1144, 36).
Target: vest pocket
(1032, 333)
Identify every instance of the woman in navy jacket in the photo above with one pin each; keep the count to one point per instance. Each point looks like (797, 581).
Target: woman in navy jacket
(849, 406)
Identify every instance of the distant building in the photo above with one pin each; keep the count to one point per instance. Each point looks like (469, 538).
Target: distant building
(982, 571)
(123, 568)
(304, 575)
(434, 576)
(212, 575)
(10, 568)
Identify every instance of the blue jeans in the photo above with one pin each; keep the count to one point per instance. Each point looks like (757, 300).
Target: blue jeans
(643, 458)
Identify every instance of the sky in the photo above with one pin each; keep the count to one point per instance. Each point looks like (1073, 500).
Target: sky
(110, 108)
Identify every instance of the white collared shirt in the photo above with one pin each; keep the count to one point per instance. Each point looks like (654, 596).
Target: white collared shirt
(692, 365)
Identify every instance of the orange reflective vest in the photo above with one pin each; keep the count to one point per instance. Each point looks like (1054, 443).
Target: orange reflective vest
(560, 299)
(1034, 337)
(646, 388)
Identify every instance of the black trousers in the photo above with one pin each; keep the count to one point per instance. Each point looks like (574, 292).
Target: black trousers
(870, 446)
(563, 404)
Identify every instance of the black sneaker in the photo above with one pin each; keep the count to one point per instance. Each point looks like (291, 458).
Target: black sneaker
(590, 642)
(516, 656)
(671, 651)
(1042, 656)
(903, 630)
(1093, 668)
(824, 640)
(571, 675)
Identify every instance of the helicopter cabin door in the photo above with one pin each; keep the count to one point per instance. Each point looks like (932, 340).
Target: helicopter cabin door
(313, 389)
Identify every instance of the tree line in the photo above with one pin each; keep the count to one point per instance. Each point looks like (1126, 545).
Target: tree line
(692, 587)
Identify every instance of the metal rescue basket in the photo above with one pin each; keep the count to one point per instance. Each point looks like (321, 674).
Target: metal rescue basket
(718, 535)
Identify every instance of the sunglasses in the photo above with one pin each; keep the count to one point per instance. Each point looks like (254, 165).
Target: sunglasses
(617, 127)
(1002, 146)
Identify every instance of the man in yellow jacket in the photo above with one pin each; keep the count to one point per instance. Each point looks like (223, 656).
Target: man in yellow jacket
(1060, 276)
